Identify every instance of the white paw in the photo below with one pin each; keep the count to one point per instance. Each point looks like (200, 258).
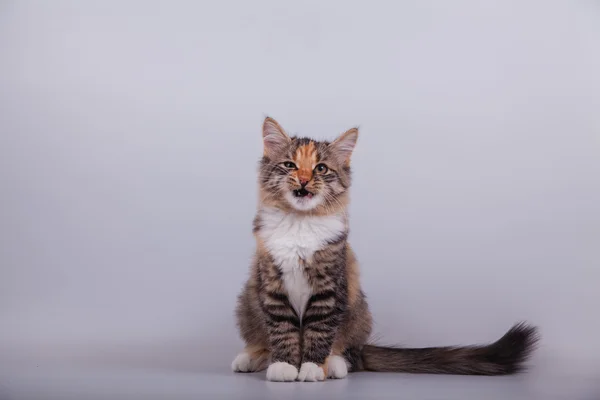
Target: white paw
(241, 363)
(311, 372)
(282, 372)
(337, 367)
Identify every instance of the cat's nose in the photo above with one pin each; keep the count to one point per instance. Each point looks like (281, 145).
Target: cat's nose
(303, 182)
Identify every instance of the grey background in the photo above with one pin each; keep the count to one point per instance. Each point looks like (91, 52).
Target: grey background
(129, 137)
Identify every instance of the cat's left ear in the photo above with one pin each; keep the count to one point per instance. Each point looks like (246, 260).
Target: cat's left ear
(343, 146)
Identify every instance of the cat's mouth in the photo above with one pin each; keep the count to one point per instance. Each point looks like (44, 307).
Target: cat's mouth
(300, 193)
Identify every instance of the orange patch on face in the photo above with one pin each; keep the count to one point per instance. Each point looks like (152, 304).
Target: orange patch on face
(306, 159)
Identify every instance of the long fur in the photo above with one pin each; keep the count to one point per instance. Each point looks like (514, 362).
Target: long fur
(503, 357)
(302, 312)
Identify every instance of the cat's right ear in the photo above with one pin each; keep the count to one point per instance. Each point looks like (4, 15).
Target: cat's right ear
(274, 137)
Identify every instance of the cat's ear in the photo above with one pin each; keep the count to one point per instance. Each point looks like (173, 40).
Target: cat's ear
(274, 137)
(343, 146)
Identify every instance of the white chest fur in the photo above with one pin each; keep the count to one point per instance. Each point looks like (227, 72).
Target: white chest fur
(291, 239)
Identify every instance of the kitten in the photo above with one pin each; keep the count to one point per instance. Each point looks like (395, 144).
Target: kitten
(302, 312)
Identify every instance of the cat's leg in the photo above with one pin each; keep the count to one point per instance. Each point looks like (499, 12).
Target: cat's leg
(352, 336)
(252, 359)
(281, 324)
(321, 323)
(284, 338)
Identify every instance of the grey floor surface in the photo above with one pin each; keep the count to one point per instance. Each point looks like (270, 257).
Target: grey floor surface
(47, 379)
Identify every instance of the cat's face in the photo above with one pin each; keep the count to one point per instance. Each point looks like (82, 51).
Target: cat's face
(304, 174)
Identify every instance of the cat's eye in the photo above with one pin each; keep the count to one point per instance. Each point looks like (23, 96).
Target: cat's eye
(321, 168)
(290, 165)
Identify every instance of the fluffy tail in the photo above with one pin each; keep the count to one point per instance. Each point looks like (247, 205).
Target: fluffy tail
(503, 357)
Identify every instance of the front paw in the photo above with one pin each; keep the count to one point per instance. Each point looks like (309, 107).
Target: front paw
(311, 372)
(282, 372)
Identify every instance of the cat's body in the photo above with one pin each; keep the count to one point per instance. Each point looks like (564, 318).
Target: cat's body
(302, 312)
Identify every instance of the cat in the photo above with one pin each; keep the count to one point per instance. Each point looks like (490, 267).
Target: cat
(302, 312)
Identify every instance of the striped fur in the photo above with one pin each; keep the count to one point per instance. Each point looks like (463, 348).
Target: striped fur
(302, 312)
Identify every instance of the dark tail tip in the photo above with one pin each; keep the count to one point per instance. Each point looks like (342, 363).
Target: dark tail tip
(513, 349)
